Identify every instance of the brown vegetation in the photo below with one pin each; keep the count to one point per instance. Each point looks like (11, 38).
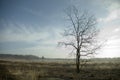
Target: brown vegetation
(12, 70)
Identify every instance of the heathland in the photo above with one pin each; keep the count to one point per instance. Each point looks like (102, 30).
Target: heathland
(60, 69)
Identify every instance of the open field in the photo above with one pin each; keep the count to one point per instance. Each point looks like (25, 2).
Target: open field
(43, 70)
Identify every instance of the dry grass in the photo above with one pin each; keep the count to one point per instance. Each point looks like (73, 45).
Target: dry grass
(10, 70)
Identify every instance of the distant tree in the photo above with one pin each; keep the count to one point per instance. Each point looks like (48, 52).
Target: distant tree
(81, 34)
(43, 57)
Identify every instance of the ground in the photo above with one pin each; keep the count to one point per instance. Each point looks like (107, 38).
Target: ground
(43, 70)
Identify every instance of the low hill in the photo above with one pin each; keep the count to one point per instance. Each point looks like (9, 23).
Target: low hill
(19, 57)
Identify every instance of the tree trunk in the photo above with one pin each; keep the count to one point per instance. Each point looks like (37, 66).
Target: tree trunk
(78, 62)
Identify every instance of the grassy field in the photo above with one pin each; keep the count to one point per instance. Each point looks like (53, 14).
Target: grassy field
(43, 70)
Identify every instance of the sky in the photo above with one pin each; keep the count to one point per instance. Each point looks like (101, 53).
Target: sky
(34, 27)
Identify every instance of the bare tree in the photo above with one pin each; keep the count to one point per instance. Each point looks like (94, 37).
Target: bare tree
(81, 34)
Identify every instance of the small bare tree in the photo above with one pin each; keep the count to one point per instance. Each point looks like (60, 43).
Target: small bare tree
(81, 35)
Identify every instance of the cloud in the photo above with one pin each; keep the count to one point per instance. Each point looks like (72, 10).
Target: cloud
(22, 32)
(117, 30)
(112, 8)
(111, 49)
(24, 39)
(112, 4)
(112, 45)
(26, 36)
(113, 15)
(20, 37)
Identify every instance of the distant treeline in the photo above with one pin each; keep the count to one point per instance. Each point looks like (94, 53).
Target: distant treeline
(12, 56)
(36, 58)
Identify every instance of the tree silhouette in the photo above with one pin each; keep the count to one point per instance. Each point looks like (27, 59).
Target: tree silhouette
(81, 34)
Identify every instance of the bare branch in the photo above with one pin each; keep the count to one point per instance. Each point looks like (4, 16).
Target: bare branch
(83, 31)
(68, 44)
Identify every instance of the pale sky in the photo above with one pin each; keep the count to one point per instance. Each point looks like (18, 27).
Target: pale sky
(35, 26)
